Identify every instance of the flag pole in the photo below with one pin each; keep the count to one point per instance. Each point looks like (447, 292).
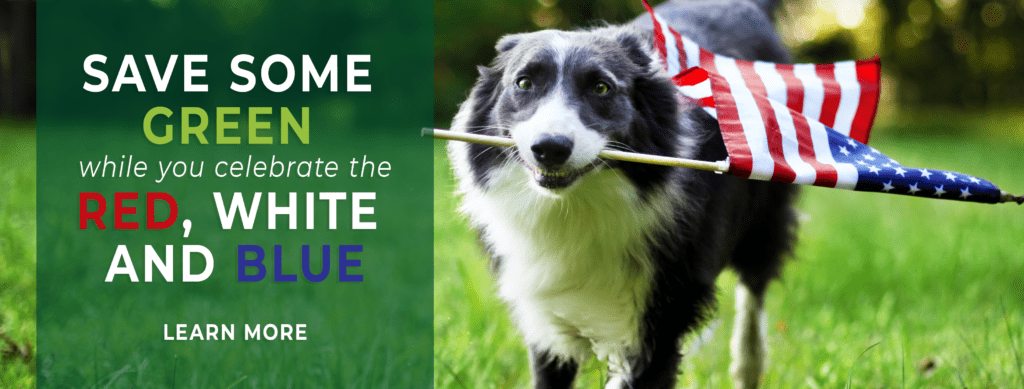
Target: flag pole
(1006, 198)
(718, 166)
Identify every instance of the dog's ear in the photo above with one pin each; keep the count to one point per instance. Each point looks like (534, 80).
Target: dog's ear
(655, 97)
(508, 42)
(655, 127)
(485, 71)
(637, 44)
(485, 95)
(480, 119)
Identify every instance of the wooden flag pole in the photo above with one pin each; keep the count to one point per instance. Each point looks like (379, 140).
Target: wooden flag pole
(719, 166)
(1007, 198)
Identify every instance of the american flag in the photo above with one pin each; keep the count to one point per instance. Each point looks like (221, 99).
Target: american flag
(804, 123)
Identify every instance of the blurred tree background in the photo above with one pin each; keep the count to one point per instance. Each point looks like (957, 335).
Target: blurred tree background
(937, 55)
(17, 58)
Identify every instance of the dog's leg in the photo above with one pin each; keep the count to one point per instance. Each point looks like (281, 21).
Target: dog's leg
(758, 260)
(656, 365)
(550, 372)
(658, 371)
(748, 339)
(619, 373)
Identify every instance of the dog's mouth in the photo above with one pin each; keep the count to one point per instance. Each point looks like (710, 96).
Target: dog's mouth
(558, 179)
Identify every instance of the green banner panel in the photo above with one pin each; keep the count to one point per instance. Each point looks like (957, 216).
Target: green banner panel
(234, 194)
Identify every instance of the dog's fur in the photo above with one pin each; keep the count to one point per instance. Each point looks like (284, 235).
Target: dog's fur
(606, 257)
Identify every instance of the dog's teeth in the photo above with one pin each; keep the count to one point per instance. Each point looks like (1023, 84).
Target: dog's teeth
(539, 174)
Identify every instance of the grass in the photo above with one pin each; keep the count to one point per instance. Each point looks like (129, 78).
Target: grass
(17, 255)
(885, 291)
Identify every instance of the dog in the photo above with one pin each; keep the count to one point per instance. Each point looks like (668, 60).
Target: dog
(614, 258)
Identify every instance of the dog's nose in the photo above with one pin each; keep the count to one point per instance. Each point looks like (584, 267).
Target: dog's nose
(552, 151)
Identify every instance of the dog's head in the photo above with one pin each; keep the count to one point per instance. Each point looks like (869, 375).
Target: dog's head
(565, 96)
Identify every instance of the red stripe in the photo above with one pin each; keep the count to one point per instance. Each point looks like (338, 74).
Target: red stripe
(833, 93)
(690, 77)
(825, 174)
(794, 88)
(659, 38)
(740, 160)
(782, 171)
(707, 61)
(868, 75)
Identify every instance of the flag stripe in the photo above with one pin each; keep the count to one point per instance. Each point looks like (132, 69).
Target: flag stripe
(749, 118)
(846, 174)
(692, 76)
(672, 54)
(794, 88)
(781, 171)
(804, 172)
(707, 61)
(659, 37)
(803, 169)
(868, 73)
(775, 87)
(814, 92)
(831, 92)
(846, 76)
(827, 174)
(740, 159)
(694, 83)
(692, 52)
(681, 58)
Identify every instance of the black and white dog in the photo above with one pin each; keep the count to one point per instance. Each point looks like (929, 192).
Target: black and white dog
(612, 258)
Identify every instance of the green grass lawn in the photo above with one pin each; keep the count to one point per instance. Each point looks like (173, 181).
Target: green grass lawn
(17, 255)
(936, 286)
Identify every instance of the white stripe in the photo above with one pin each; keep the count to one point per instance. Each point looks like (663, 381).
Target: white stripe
(750, 119)
(846, 76)
(692, 53)
(774, 85)
(814, 90)
(711, 111)
(805, 173)
(672, 53)
(846, 174)
(699, 91)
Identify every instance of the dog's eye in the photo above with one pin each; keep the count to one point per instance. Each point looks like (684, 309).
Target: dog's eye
(524, 83)
(602, 89)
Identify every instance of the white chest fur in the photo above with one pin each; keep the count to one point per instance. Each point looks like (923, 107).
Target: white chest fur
(575, 269)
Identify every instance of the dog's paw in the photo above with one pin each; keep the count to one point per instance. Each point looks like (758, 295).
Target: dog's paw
(745, 375)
